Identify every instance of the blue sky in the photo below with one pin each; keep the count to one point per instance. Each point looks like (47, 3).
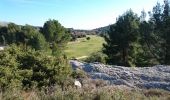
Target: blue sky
(78, 14)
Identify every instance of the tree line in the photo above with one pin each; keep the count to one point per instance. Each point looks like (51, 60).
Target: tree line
(135, 41)
(52, 35)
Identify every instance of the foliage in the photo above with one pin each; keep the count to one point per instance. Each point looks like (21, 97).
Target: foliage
(73, 37)
(56, 35)
(122, 40)
(159, 36)
(88, 38)
(52, 34)
(134, 42)
(32, 37)
(26, 35)
(96, 57)
(102, 93)
(78, 74)
(80, 35)
(29, 68)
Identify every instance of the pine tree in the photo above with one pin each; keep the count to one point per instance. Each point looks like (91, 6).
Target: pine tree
(30, 36)
(166, 31)
(122, 41)
(56, 35)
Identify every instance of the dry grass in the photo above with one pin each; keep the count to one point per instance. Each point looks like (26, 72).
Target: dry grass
(91, 90)
(87, 93)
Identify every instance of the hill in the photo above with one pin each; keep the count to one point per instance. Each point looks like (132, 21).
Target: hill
(102, 30)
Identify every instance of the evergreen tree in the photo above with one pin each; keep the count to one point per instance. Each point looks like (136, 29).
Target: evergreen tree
(155, 40)
(56, 35)
(149, 57)
(3, 31)
(122, 41)
(32, 37)
(12, 30)
(166, 31)
(143, 16)
(159, 41)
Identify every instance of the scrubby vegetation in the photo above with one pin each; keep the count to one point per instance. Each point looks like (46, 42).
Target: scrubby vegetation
(96, 57)
(27, 64)
(34, 64)
(29, 68)
(103, 93)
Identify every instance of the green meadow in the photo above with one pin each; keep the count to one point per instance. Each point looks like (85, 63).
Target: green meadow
(83, 47)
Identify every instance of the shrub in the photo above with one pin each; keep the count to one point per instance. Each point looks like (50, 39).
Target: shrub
(73, 37)
(155, 92)
(29, 68)
(96, 57)
(78, 74)
(88, 38)
(102, 93)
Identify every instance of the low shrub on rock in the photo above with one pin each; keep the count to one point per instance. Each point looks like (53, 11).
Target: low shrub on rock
(96, 57)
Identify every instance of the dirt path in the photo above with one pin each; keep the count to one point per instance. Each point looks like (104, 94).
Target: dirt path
(81, 57)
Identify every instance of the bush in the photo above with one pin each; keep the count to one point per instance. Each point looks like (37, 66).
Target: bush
(102, 93)
(96, 57)
(73, 37)
(88, 38)
(78, 74)
(29, 68)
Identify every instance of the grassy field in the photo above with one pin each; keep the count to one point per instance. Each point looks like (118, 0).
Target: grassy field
(83, 47)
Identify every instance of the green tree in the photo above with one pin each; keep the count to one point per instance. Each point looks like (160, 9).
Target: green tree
(56, 35)
(10, 34)
(159, 36)
(27, 35)
(122, 40)
(148, 57)
(166, 31)
(96, 57)
(143, 16)
(155, 39)
(3, 32)
(32, 37)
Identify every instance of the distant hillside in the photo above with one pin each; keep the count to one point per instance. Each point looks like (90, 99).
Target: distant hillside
(4, 23)
(97, 31)
(83, 32)
(102, 30)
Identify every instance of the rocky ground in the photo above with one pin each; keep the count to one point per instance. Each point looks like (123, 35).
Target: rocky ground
(140, 77)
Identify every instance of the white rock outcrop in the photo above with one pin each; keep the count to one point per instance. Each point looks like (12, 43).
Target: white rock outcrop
(142, 77)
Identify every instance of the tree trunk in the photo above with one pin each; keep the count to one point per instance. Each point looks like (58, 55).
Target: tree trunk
(125, 59)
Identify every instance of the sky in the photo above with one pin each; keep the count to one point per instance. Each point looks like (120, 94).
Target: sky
(77, 14)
